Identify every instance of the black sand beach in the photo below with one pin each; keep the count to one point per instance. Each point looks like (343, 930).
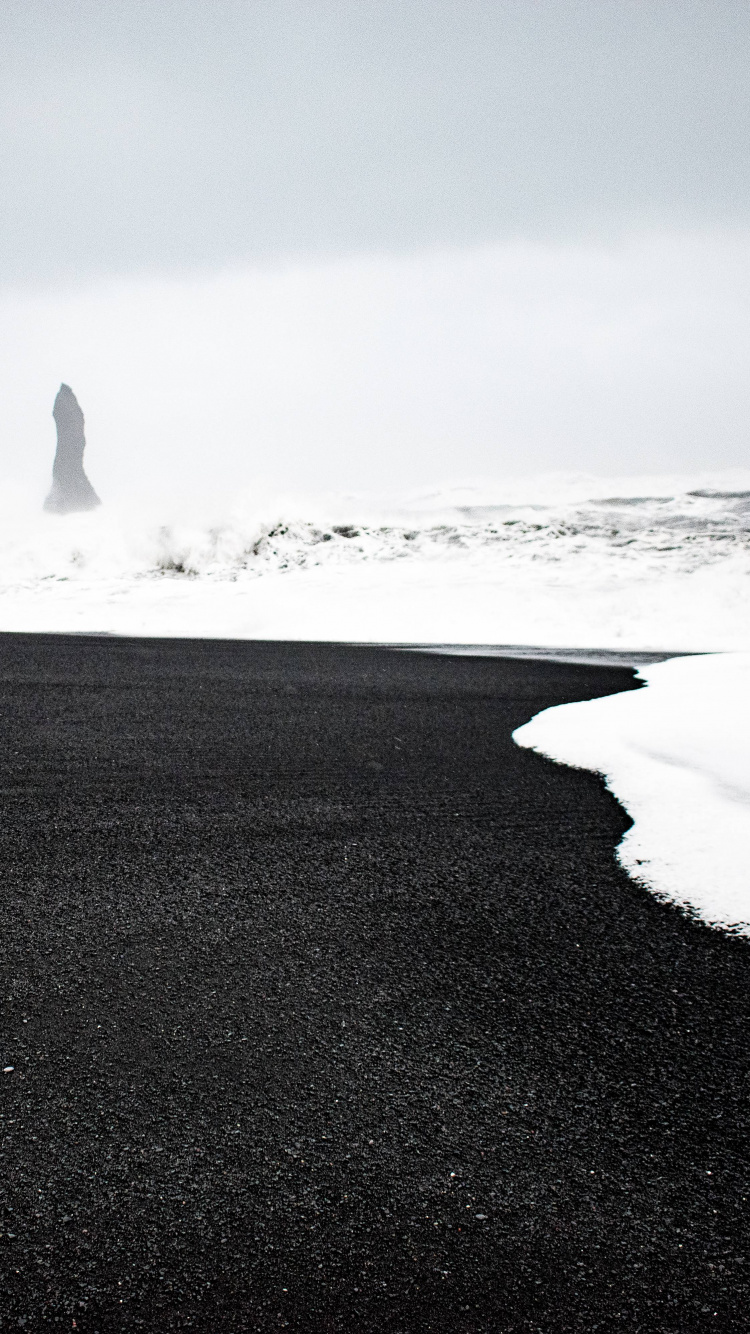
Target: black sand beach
(330, 1010)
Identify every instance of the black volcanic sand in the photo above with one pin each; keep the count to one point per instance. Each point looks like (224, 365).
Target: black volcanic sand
(330, 1009)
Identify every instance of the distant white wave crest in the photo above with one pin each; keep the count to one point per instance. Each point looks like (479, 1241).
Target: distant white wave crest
(655, 533)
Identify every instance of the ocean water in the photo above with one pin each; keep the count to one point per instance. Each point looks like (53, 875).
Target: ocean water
(647, 563)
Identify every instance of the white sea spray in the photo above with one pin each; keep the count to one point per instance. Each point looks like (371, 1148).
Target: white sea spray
(640, 563)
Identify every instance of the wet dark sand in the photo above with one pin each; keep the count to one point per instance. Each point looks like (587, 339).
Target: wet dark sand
(330, 1009)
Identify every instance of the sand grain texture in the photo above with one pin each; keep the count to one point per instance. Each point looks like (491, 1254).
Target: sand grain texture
(330, 1010)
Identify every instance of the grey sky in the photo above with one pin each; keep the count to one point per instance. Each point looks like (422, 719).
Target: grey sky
(366, 243)
(174, 135)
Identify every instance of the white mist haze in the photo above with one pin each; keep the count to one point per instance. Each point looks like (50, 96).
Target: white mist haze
(306, 245)
(384, 373)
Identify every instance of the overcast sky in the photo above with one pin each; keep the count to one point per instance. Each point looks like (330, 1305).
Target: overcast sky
(165, 133)
(153, 142)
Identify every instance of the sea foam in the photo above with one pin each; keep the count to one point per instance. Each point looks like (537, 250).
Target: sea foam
(677, 756)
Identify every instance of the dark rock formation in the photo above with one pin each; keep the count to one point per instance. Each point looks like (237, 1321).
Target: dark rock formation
(71, 488)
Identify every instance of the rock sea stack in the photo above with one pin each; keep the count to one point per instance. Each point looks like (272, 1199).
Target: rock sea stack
(71, 488)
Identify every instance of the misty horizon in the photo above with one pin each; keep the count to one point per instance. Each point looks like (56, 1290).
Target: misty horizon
(384, 374)
(317, 246)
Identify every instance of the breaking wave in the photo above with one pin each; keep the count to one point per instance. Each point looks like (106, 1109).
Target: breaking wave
(552, 561)
(657, 533)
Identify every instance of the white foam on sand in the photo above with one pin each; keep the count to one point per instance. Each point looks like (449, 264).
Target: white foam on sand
(676, 754)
